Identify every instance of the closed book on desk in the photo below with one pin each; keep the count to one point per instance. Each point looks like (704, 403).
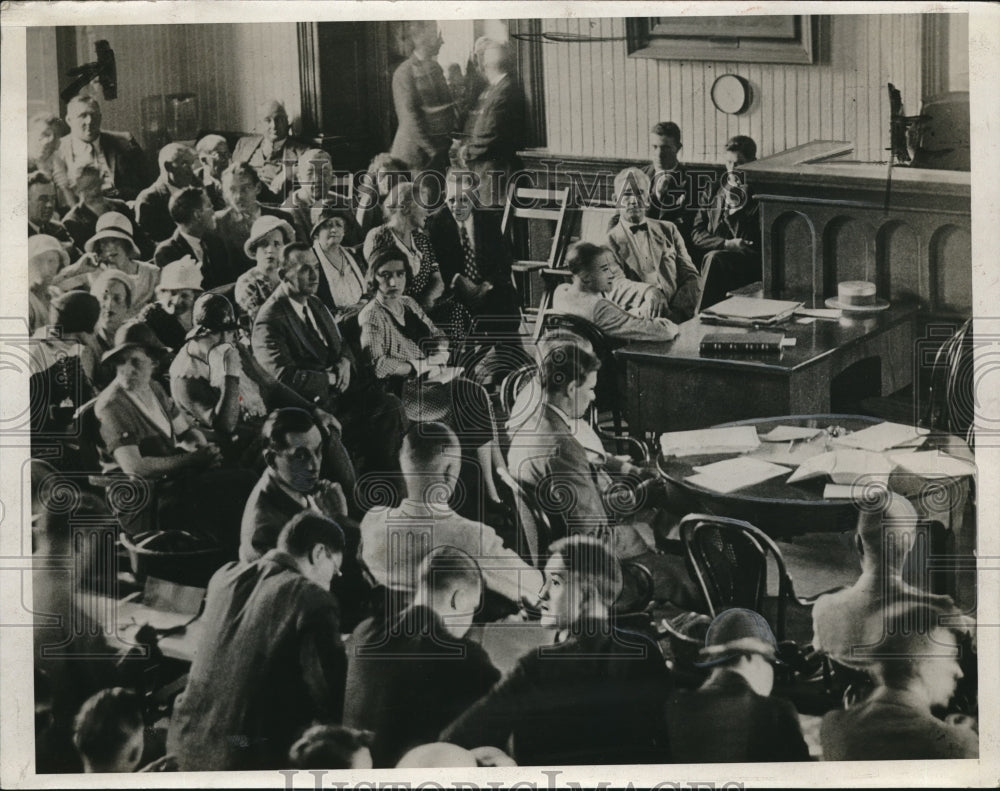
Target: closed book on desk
(741, 343)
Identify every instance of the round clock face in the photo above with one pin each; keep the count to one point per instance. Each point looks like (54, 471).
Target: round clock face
(731, 94)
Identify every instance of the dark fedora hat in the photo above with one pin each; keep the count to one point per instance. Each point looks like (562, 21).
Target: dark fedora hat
(738, 632)
(135, 334)
(211, 313)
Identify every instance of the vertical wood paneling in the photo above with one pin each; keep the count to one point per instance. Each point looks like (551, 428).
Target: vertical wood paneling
(842, 98)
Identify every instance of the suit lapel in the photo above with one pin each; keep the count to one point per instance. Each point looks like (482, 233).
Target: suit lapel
(301, 332)
(110, 153)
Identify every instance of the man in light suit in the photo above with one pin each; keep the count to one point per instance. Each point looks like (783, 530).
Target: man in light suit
(192, 211)
(275, 153)
(296, 339)
(495, 128)
(552, 467)
(424, 105)
(650, 253)
(117, 155)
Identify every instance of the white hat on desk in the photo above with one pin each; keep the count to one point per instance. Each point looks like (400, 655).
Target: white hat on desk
(857, 296)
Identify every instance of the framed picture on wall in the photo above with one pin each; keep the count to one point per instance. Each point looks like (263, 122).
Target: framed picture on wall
(755, 39)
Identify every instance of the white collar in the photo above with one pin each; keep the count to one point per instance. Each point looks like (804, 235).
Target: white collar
(563, 415)
(194, 241)
(496, 80)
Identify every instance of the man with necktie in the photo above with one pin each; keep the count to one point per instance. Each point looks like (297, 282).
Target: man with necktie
(651, 254)
(475, 261)
(117, 155)
(41, 209)
(297, 341)
(673, 188)
(191, 210)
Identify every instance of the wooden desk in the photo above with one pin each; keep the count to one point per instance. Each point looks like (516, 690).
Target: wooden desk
(671, 387)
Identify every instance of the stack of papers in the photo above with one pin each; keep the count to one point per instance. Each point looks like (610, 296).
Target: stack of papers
(882, 436)
(846, 467)
(732, 474)
(790, 434)
(735, 439)
(749, 310)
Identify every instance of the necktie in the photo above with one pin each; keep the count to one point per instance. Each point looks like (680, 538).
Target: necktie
(311, 325)
(469, 255)
(638, 228)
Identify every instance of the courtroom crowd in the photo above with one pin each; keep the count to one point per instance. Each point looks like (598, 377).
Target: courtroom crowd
(314, 392)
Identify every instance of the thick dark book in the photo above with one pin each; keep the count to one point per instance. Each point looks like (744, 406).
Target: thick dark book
(741, 343)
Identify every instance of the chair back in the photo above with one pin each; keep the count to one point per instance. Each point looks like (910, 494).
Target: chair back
(534, 223)
(951, 406)
(595, 220)
(535, 533)
(607, 396)
(729, 560)
(513, 383)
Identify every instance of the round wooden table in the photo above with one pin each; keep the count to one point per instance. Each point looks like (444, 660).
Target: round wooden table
(782, 509)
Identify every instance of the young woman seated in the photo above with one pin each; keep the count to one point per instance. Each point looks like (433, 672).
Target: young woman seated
(407, 349)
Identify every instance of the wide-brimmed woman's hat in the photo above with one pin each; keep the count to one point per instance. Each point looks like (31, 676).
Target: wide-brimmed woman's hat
(113, 225)
(184, 273)
(43, 243)
(738, 632)
(261, 227)
(135, 334)
(211, 313)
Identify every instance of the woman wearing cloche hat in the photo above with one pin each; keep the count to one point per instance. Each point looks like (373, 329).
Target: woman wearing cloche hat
(170, 316)
(113, 247)
(268, 235)
(733, 716)
(217, 381)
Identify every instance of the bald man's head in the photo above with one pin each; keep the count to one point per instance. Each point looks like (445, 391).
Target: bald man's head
(273, 120)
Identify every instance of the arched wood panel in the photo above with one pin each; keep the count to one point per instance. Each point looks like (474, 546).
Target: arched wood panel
(848, 252)
(951, 269)
(791, 248)
(898, 257)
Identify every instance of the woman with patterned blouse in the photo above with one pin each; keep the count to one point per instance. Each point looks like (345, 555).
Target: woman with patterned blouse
(268, 235)
(404, 231)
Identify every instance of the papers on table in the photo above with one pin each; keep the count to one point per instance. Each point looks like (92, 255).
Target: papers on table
(751, 309)
(790, 434)
(731, 474)
(838, 491)
(931, 464)
(845, 467)
(882, 436)
(819, 313)
(734, 439)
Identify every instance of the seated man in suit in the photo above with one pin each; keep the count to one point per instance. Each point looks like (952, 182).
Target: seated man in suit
(394, 540)
(596, 696)
(917, 669)
(152, 207)
(592, 269)
(297, 341)
(410, 675)
(650, 253)
(118, 156)
(270, 661)
(214, 158)
(552, 466)
(673, 191)
(297, 477)
(274, 153)
(732, 716)
(242, 188)
(727, 234)
(41, 208)
(475, 262)
(848, 625)
(192, 211)
(495, 128)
